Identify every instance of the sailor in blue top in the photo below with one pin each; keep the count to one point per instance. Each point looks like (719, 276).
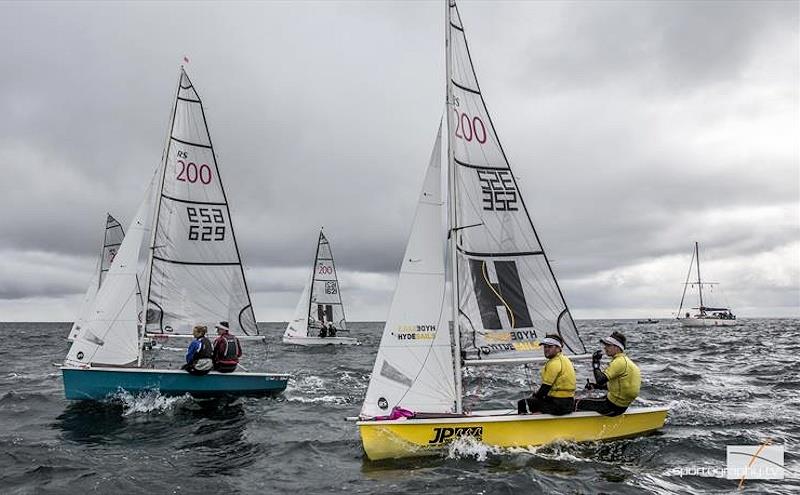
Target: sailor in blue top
(199, 353)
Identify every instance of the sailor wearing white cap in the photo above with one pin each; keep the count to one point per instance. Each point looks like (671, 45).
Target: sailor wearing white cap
(621, 378)
(556, 395)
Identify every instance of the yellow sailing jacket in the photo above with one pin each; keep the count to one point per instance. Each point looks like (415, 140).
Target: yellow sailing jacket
(624, 380)
(560, 375)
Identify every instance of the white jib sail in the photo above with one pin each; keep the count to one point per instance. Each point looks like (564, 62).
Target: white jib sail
(86, 304)
(508, 297)
(196, 274)
(298, 327)
(110, 335)
(112, 239)
(414, 366)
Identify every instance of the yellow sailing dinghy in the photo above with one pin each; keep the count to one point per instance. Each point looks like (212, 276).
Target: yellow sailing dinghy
(506, 299)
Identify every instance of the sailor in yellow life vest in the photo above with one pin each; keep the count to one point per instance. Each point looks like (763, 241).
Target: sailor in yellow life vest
(556, 395)
(621, 378)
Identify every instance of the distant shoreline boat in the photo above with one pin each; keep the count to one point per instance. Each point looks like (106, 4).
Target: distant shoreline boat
(703, 316)
(648, 321)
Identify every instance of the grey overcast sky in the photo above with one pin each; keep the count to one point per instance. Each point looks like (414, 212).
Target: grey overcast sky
(635, 129)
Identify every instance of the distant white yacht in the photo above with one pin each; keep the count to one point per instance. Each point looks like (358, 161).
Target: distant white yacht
(702, 315)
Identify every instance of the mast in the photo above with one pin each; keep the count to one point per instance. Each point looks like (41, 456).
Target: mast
(685, 285)
(313, 277)
(451, 217)
(699, 281)
(338, 288)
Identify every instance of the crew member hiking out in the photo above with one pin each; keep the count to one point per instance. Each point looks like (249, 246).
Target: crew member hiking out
(227, 349)
(621, 378)
(556, 395)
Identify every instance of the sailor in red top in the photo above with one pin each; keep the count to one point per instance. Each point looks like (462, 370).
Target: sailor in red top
(227, 349)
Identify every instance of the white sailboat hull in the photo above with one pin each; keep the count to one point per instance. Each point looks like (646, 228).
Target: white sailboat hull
(312, 341)
(707, 322)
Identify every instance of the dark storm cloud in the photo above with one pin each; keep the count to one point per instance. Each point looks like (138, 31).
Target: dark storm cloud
(635, 128)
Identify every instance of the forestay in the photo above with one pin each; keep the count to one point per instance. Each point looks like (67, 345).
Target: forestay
(414, 366)
(110, 335)
(112, 239)
(195, 275)
(508, 297)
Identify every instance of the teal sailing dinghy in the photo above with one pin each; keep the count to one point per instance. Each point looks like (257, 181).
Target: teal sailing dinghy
(192, 275)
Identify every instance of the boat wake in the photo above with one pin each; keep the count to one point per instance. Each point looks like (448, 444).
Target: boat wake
(148, 402)
(469, 447)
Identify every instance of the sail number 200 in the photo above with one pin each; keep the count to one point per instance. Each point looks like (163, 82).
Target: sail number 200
(470, 128)
(190, 172)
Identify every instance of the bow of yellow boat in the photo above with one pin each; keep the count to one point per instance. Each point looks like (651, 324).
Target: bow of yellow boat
(419, 437)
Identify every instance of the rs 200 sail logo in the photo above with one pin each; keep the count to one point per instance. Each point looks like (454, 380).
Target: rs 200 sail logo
(442, 435)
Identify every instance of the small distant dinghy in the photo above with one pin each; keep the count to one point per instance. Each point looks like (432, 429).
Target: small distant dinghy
(112, 239)
(648, 321)
(505, 300)
(320, 305)
(702, 315)
(193, 276)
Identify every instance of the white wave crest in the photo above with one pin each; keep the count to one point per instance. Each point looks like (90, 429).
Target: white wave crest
(147, 402)
(469, 446)
(325, 399)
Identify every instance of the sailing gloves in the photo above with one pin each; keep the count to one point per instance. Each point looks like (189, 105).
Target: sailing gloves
(600, 378)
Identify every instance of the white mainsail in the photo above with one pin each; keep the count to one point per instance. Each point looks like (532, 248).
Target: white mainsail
(414, 365)
(507, 295)
(195, 272)
(112, 239)
(325, 303)
(110, 335)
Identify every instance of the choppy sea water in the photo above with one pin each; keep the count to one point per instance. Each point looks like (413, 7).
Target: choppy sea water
(732, 386)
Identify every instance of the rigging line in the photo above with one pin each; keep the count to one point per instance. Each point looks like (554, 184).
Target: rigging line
(685, 285)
